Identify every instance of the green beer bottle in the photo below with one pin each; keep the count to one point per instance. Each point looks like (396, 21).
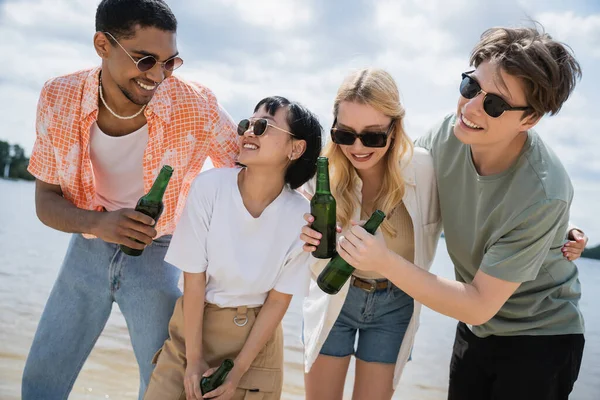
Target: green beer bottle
(151, 204)
(337, 271)
(210, 383)
(322, 208)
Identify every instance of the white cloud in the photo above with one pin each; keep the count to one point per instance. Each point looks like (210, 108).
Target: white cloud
(74, 15)
(18, 117)
(274, 14)
(416, 25)
(581, 30)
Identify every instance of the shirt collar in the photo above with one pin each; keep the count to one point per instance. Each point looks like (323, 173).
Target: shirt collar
(89, 103)
(160, 105)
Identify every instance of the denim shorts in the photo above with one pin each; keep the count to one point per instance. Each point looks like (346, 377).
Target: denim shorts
(380, 318)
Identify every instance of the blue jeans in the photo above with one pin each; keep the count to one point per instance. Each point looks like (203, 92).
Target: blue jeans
(380, 318)
(95, 274)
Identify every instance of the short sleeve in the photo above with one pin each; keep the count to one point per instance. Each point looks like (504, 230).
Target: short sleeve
(438, 132)
(224, 148)
(187, 250)
(518, 255)
(310, 186)
(425, 141)
(42, 163)
(295, 276)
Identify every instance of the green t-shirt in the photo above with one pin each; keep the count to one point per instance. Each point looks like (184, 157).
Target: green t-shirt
(511, 226)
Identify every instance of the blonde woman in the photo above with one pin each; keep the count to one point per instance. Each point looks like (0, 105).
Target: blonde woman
(372, 166)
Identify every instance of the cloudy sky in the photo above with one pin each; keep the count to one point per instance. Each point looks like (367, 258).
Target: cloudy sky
(245, 50)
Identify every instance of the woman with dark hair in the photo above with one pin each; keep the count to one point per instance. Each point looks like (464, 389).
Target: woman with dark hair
(237, 243)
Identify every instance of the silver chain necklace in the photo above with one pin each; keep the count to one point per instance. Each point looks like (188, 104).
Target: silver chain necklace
(114, 113)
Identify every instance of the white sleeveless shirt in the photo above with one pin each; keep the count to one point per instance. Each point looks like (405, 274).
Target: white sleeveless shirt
(117, 165)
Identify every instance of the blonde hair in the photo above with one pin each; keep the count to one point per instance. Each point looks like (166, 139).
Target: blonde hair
(376, 88)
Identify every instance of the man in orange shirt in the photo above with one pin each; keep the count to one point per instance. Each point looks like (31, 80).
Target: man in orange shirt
(102, 136)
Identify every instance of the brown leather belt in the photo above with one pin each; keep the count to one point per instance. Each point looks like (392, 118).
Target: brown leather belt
(368, 285)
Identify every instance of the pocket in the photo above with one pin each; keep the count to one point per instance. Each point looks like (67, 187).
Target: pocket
(396, 293)
(260, 381)
(162, 241)
(254, 395)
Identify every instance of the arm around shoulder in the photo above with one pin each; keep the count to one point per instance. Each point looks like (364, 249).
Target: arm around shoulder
(426, 187)
(224, 147)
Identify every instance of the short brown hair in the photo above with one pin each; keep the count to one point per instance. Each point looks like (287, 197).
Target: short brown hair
(547, 67)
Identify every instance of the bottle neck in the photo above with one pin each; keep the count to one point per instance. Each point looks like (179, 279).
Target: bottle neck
(159, 187)
(221, 372)
(374, 221)
(323, 179)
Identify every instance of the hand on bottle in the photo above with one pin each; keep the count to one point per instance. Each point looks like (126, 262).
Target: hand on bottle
(312, 237)
(123, 226)
(191, 380)
(362, 250)
(574, 247)
(228, 388)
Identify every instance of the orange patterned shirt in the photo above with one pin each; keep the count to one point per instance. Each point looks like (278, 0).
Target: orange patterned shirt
(185, 125)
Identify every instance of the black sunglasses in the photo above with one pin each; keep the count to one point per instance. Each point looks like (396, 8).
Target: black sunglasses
(368, 139)
(493, 105)
(148, 62)
(259, 126)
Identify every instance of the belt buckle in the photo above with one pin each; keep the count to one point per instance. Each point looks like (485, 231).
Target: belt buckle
(373, 287)
(369, 281)
(241, 317)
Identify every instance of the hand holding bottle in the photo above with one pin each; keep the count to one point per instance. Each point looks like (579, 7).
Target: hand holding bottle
(338, 270)
(191, 380)
(363, 250)
(323, 210)
(123, 226)
(227, 388)
(152, 205)
(310, 236)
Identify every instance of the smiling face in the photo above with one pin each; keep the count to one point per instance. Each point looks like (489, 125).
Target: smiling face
(273, 148)
(363, 118)
(118, 68)
(475, 127)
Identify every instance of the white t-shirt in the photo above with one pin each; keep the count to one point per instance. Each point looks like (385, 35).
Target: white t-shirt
(117, 162)
(243, 257)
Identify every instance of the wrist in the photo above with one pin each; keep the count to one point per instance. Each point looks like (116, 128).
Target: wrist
(240, 367)
(390, 260)
(92, 222)
(194, 358)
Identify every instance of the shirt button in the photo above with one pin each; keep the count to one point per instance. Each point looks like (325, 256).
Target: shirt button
(149, 157)
(148, 112)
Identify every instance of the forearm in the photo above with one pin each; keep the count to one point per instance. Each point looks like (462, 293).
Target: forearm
(59, 213)
(455, 299)
(193, 314)
(266, 323)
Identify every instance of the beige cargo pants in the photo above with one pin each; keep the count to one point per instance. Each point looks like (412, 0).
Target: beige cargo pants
(224, 334)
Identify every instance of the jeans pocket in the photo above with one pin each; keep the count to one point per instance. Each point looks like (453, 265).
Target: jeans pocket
(163, 241)
(396, 293)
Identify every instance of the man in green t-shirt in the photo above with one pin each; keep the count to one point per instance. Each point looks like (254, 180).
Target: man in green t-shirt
(504, 201)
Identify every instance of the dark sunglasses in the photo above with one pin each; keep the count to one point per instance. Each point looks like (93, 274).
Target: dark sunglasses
(493, 105)
(259, 126)
(148, 62)
(368, 139)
